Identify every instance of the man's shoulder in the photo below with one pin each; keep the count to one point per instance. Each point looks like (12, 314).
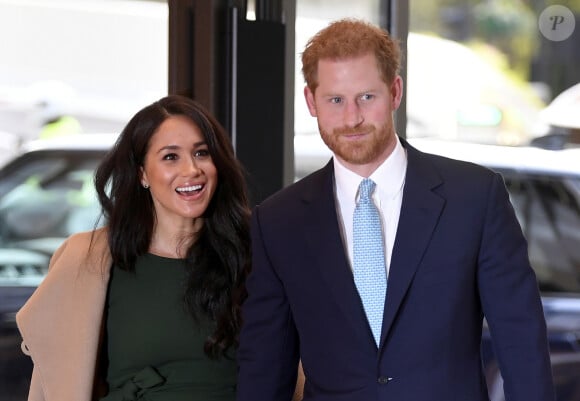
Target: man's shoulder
(447, 166)
(302, 190)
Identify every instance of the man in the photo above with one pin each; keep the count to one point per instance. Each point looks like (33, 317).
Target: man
(450, 252)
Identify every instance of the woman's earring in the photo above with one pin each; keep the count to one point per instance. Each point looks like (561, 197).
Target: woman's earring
(146, 186)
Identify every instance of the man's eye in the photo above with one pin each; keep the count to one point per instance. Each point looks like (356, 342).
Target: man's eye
(367, 96)
(336, 100)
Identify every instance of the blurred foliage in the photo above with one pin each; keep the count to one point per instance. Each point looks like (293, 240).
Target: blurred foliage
(511, 27)
(573, 5)
(500, 61)
(508, 25)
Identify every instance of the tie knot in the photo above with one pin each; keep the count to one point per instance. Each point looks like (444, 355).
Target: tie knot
(366, 188)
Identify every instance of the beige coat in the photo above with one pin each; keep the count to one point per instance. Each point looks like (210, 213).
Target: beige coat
(61, 322)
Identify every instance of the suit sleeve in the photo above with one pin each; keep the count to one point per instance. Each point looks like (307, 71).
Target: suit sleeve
(268, 352)
(511, 303)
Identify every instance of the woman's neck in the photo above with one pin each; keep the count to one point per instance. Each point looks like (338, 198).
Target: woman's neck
(171, 241)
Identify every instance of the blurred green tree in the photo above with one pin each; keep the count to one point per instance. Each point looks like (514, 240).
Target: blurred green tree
(511, 27)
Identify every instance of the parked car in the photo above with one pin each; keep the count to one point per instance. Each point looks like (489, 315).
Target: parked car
(46, 194)
(544, 187)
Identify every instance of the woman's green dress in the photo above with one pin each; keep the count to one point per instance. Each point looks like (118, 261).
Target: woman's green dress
(154, 347)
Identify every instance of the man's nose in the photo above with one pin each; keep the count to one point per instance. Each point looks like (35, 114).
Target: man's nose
(352, 115)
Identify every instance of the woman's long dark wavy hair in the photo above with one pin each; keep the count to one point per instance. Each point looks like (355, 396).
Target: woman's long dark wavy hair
(218, 260)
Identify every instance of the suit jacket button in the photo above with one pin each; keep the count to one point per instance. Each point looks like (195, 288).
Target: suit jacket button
(384, 379)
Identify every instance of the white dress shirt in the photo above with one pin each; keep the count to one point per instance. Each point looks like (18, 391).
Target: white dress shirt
(389, 178)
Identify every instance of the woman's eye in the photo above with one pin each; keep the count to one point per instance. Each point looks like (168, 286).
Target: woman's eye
(201, 153)
(170, 156)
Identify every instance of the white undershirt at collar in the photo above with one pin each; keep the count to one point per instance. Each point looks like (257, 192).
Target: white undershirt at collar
(388, 195)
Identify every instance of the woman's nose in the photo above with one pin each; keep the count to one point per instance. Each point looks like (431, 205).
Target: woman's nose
(191, 167)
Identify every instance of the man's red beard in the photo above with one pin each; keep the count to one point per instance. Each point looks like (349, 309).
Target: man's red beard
(361, 151)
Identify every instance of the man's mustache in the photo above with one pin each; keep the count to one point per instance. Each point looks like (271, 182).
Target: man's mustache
(362, 129)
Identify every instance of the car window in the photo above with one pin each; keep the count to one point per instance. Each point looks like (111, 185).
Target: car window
(548, 209)
(44, 197)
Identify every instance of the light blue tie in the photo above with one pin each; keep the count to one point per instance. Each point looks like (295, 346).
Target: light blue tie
(369, 257)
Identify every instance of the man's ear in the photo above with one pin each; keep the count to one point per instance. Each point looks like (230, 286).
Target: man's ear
(396, 92)
(309, 96)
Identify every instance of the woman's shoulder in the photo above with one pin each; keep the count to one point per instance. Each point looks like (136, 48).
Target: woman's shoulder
(88, 237)
(88, 246)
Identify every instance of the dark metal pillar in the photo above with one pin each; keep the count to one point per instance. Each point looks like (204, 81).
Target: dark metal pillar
(237, 69)
(394, 16)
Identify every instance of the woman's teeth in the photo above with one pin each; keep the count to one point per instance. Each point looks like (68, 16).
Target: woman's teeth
(191, 188)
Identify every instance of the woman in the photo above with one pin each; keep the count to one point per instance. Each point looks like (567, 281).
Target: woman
(147, 308)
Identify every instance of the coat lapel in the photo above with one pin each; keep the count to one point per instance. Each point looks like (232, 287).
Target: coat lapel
(325, 242)
(420, 211)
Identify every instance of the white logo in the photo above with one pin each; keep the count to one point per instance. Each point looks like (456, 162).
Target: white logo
(557, 23)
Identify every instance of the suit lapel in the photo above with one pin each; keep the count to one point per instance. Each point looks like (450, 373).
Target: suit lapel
(325, 242)
(420, 211)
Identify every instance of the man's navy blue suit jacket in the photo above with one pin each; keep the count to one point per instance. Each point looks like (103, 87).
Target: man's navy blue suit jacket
(459, 256)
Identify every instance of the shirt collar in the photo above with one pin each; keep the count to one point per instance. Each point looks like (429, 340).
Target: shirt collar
(389, 176)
